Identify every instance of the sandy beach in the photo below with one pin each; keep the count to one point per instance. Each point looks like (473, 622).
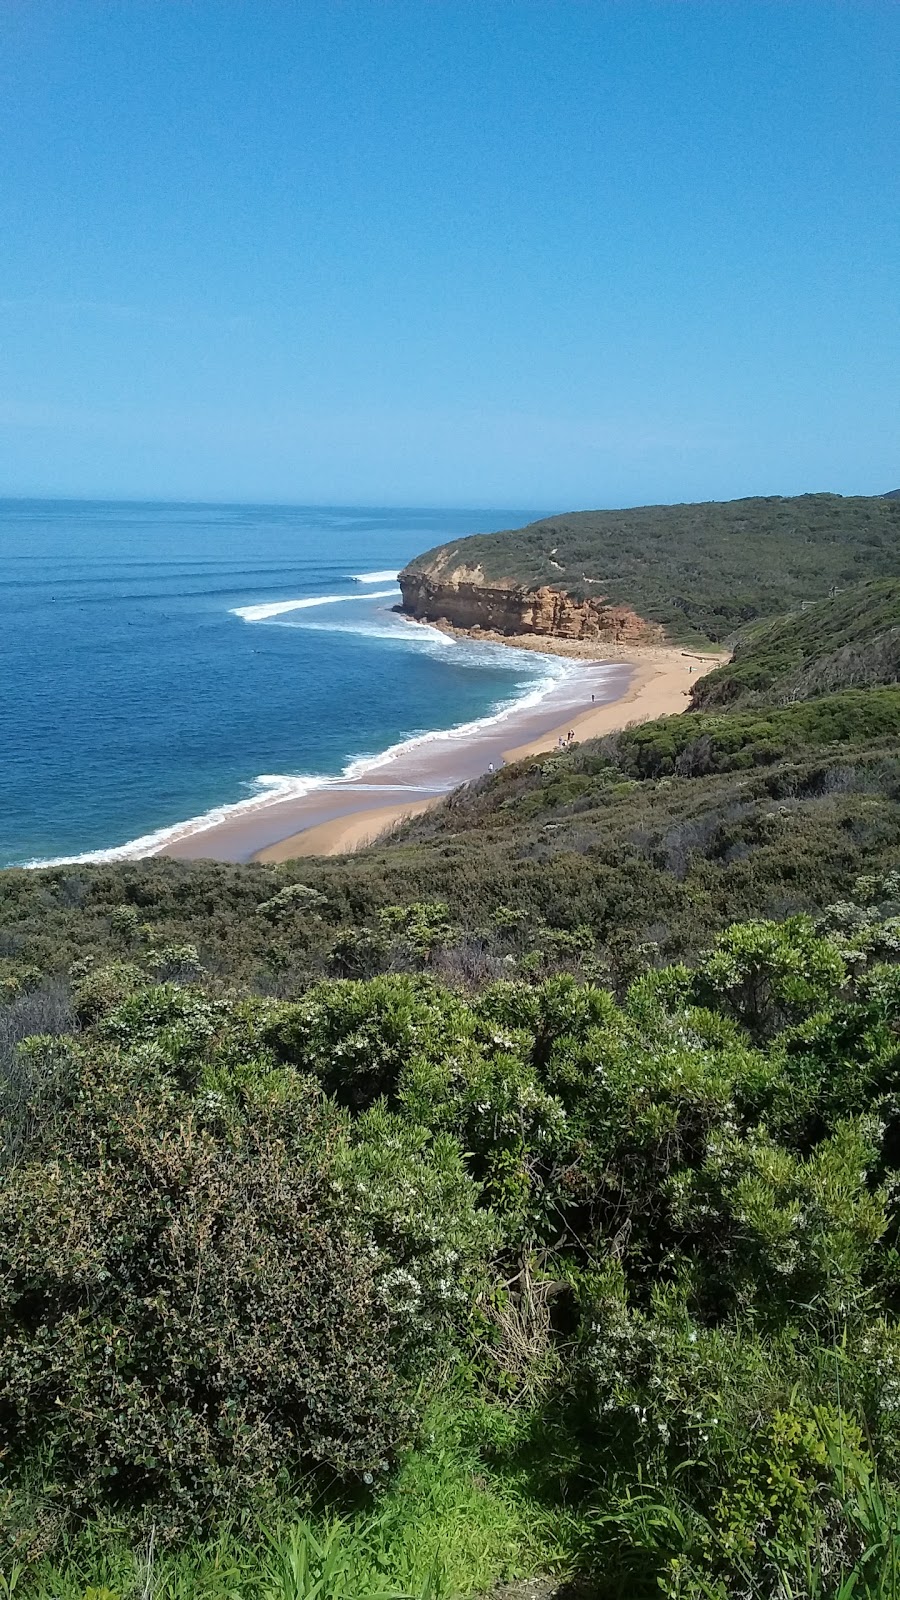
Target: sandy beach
(660, 685)
(343, 834)
(602, 693)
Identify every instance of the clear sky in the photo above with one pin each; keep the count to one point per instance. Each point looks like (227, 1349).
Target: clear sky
(554, 253)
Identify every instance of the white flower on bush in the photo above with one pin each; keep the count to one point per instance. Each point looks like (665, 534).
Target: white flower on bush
(400, 1290)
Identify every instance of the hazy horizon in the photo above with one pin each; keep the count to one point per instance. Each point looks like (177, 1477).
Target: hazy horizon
(460, 506)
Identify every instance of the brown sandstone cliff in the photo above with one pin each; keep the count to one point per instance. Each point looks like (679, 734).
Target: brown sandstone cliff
(462, 597)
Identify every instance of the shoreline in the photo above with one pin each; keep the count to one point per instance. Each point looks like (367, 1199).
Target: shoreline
(658, 685)
(342, 835)
(603, 689)
(422, 768)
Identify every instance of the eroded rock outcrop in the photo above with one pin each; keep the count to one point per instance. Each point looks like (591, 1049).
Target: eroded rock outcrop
(463, 597)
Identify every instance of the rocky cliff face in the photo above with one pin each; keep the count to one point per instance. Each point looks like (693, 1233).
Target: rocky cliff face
(461, 596)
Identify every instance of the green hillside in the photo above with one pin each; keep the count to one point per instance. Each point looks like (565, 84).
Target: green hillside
(852, 639)
(512, 1202)
(698, 569)
(664, 833)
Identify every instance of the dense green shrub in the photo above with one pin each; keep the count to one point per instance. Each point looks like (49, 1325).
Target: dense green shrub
(769, 974)
(699, 743)
(244, 1240)
(748, 1472)
(195, 1302)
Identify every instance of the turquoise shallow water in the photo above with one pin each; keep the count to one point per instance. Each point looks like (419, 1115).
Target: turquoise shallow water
(151, 670)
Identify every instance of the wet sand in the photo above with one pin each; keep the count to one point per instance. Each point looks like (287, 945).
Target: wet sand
(638, 684)
(659, 684)
(422, 769)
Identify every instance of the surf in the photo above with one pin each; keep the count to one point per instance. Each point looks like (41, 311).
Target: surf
(278, 608)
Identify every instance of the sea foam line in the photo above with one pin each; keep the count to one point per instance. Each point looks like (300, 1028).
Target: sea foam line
(276, 608)
(419, 635)
(269, 788)
(558, 668)
(375, 577)
(274, 787)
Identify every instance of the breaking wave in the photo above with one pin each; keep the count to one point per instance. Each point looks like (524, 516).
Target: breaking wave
(277, 608)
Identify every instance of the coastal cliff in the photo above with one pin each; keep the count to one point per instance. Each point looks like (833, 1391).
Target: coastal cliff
(687, 574)
(461, 596)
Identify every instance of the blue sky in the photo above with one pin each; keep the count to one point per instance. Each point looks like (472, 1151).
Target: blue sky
(531, 252)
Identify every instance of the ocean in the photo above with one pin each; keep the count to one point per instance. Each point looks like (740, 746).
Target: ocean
(162, 663)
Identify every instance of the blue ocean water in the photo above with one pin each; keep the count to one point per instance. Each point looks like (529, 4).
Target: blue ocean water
(152, 671)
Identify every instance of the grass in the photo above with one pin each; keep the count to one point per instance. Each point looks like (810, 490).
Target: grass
(447, 1525)
(451, 1526)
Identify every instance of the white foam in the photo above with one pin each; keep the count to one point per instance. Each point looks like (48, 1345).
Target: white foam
(375, 577)
(559, 668)
(422, 636)
(268, 788)
(277, 608)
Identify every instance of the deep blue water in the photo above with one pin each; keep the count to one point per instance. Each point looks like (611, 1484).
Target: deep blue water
(133, 698)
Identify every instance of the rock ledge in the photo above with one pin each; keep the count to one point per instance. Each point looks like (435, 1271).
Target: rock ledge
(460, 596)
